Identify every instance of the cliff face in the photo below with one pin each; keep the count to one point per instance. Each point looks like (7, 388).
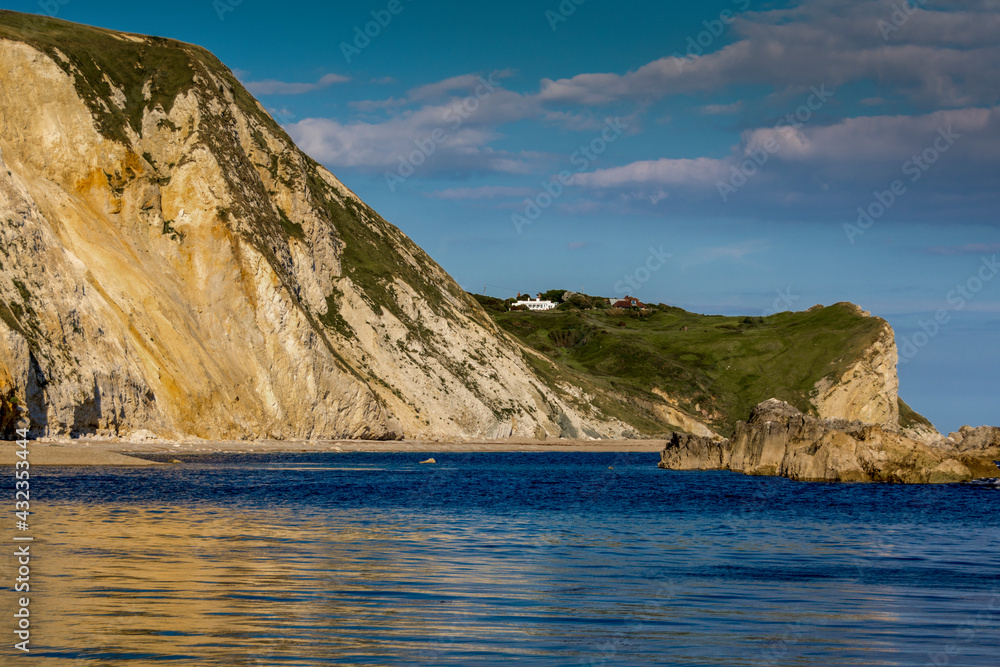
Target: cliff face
(868, 390)
(777, 439)
(171, 261)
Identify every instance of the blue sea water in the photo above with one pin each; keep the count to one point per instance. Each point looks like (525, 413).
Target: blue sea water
(487, 558)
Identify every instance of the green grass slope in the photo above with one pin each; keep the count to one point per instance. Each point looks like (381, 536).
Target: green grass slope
(714, 367)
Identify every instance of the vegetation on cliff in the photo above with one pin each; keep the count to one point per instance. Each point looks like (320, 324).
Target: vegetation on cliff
(151, 72)
(714, 367)
(910, 418)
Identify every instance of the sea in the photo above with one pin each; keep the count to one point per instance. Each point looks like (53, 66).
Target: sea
(543, 558)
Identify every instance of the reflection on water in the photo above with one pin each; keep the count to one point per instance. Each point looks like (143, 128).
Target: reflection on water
(234, 582)
(256, 587)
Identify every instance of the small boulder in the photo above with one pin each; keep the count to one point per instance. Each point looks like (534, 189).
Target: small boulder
(429, 461)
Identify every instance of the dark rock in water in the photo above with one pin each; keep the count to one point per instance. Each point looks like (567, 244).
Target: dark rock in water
(695, 452)
(778, 439)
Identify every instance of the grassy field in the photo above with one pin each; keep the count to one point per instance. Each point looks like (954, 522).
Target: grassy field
(714, 366)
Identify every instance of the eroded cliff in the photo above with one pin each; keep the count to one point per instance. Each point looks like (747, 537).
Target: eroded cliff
(868, 390)
(701, 374)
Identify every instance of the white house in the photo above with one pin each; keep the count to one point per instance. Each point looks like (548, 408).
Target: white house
(535, 304)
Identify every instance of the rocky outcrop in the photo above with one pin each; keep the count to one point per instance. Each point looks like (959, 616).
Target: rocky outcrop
(971, 439)
(777, 439)
(869, 389)
(171, 262)
(695, 452)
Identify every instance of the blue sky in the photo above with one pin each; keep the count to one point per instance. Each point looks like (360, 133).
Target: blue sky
(562, 144)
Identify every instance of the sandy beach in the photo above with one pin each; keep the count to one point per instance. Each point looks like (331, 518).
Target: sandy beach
(55, 454)
(125, 453)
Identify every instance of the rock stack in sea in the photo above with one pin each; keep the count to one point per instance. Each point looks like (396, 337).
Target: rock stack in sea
(778, 439)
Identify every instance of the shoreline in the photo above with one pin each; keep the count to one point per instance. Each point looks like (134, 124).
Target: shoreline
(87, 452)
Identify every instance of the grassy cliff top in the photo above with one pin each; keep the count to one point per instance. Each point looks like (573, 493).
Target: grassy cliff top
(149, 71)
(714, 366)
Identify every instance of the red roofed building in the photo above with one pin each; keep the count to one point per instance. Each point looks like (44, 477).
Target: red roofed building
(628, 302)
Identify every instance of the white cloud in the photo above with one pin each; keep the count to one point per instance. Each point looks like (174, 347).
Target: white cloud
(439, 89)
(464, 125)
(734, 252)
(465, 84)
(938, 59)
(284, 114)
(383, 146)
(275, 87)
(367, 106)
(939, 62)
(869, 138)
(575, 122)
(665, 171)
(946, 164)
(876, 141)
